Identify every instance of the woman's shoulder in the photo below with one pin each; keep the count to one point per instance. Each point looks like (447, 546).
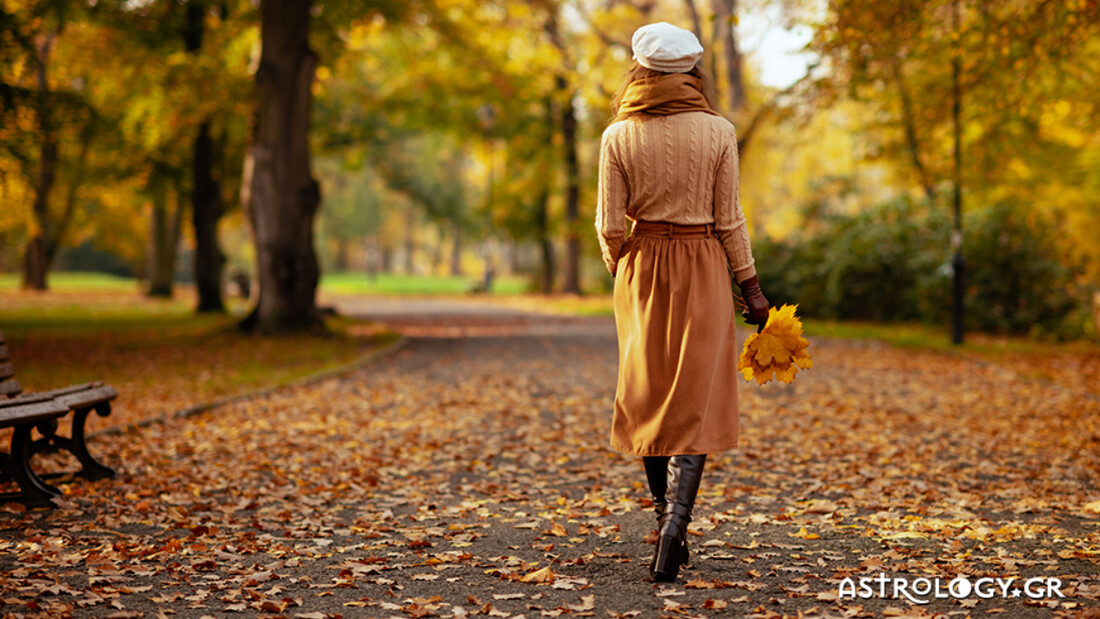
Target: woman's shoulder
(715, 125)
(616, 128)
(714, 121)
(711, 128)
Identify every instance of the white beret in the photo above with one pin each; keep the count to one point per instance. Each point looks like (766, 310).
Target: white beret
(664, 47)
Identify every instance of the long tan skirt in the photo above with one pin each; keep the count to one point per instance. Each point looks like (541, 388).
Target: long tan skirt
(677, 388)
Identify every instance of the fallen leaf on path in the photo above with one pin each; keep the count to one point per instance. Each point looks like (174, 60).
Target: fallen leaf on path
(543, 575)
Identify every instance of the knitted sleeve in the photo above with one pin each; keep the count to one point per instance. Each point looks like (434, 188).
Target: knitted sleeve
(611, 205)
(729, 221)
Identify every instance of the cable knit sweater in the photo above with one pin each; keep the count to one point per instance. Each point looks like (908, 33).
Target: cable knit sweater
(681, 168)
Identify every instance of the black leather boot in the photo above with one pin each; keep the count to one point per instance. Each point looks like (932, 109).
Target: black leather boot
(684, 475)
(656, 473)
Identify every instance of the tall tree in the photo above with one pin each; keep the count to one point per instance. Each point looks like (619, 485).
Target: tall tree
(568, 123)
(206, 196)
(725, 18)
(284, 197)
(40, 247)
(165, 227)
(916, 62)
(30, 33)
(421, 112)
(543, 228)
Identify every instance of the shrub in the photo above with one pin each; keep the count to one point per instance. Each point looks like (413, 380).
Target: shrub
(893, 263)
(1020, 277)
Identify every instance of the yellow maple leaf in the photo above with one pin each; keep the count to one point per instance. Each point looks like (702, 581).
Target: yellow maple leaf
(786, 374)
(763, 375)
(804, 534)
(747, 372)
(778, 351)
(771, 350)
(539, 576)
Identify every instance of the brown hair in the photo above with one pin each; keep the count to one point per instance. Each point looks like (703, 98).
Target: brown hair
(638, 72)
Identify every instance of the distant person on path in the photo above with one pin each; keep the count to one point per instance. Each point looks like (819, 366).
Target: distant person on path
(668, 161)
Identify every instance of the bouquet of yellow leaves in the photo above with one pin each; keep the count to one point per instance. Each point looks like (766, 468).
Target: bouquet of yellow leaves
(777, 350)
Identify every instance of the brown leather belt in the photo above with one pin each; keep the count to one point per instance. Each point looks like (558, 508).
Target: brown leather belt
(671, 230)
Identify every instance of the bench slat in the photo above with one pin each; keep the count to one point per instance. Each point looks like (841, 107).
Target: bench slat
(53, 393)
(30, 410)
(27, 399)
(83, 396)
(10, 387)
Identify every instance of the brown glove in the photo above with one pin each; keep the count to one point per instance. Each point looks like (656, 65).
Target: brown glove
(757, 311)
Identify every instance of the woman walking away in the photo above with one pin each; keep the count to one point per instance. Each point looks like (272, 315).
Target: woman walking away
(668, 162)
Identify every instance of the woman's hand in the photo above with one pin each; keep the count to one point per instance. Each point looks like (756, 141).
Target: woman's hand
(757, 311)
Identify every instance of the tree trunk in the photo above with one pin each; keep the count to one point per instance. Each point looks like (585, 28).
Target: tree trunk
(284, 195)
(206, 198)
(456, 248)
(342, 250)
(546, 244)
(387, 260)
(206, 209)
(36, 262)
(958, 305)
(410, 239)
(696, 24)
(161, 248)
(72, 196)
(572, 284)
(548, 268)
(724, 14)
(568, 119)
(36, 259)
(909, 121)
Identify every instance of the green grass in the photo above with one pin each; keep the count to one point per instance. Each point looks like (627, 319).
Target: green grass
(911, 335)
(903, 335)
(394, 284)
(334, 283)
(76, 282)
(112, 312)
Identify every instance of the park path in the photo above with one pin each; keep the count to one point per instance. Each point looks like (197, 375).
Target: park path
(468, 473)
(469, 317)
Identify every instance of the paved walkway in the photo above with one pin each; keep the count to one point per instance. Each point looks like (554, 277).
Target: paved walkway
(474, 317)
(468, 474)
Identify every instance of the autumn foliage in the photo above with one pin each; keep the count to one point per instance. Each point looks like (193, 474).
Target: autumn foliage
(779, 350)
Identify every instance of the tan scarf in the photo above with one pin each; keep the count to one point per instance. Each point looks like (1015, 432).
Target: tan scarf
(671, 93)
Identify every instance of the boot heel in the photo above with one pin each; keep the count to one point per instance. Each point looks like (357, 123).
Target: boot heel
(667, 558)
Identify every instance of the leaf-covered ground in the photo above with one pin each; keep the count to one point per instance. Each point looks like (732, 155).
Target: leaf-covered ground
(468, 474)
(160, 356)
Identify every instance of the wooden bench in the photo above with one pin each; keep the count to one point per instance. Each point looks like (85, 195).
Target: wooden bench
(22, 414)
(80, 399)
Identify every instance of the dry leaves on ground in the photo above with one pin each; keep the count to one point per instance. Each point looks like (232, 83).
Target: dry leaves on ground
(470, 477)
